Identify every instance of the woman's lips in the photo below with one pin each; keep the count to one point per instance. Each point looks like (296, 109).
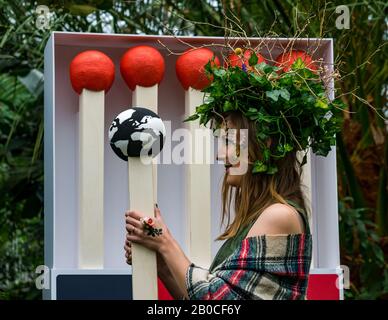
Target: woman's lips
(228, 166)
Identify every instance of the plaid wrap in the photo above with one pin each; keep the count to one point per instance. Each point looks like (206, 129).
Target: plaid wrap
(262, 267)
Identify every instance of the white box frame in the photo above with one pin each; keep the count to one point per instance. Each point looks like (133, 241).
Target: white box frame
(61, 157)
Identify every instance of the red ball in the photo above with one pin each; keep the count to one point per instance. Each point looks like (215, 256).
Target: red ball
(234, 60)
(92, 70)
(190, 68)
(142, 66)
(286, 59)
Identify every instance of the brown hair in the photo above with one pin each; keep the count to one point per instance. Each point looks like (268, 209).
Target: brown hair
(258, 191)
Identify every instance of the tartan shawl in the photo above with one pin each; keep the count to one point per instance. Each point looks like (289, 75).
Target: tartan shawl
(261, 267)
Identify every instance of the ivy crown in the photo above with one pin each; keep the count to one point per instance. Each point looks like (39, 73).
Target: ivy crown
(292, 108)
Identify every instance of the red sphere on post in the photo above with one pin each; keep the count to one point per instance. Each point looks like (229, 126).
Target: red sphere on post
(190, 68)
(234, 60)
(92, 70)
(142, 66)
(286, 59)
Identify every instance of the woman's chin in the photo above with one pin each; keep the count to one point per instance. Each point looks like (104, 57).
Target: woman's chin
(232, 180)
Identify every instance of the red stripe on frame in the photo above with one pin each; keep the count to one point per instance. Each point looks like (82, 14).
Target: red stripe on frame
(323, 287)
(163, 293)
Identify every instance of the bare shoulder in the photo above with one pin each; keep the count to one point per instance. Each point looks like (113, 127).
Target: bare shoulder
(277, 219)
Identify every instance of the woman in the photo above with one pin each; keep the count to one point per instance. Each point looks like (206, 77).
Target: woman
(267, 252)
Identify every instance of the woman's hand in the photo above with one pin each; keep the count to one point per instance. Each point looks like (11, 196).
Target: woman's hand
(153, 234)
(150, 232)
(161, 264)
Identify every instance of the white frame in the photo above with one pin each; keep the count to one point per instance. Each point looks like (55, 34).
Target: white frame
(60, 140)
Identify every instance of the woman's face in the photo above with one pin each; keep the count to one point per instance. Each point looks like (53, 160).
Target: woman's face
(228, 152)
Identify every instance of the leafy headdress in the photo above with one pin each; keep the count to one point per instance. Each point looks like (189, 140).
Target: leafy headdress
(288, 102)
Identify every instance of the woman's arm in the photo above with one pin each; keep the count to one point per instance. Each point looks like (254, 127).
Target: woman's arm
(164, 273)
(177, 263)
(171, 285)
(166, 247)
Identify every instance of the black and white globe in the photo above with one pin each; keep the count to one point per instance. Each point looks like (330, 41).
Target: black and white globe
(137, 132)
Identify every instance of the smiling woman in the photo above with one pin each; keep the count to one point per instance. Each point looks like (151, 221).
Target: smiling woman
(266, 114)
(267, 252)
(268, 249)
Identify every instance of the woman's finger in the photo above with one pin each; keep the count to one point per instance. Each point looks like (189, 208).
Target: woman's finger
(134, 214)
(131, 229)
(136, 223)
(134, 238)
(157, 212)
(139, 233)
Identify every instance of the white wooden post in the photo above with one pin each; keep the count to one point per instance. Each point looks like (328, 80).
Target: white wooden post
(91, 179)
(198, 187)
(142, 196)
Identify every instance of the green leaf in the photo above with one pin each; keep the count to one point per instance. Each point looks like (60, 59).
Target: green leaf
(252, 113)
(262, 136)
(259, 167)
(321, 104)
(228, 106)
(255, 79)
(208, 67)
(253, 59)
(298, 64)
(191, 118)
(274, 94)
(266, 154)
(285, 94)
(288, 147)
(266, 68)
(219, 72)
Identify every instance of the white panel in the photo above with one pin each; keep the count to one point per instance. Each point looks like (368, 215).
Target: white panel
(91, 180)
(141, 198)
(198, 183)
(325, 211)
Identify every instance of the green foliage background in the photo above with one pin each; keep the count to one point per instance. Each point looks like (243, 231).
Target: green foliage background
(362, 147)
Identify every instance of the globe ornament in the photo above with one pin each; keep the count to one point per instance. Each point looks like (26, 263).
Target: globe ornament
(137, 132)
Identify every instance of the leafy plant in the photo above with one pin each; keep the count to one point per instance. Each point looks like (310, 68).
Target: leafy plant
(362, 252)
